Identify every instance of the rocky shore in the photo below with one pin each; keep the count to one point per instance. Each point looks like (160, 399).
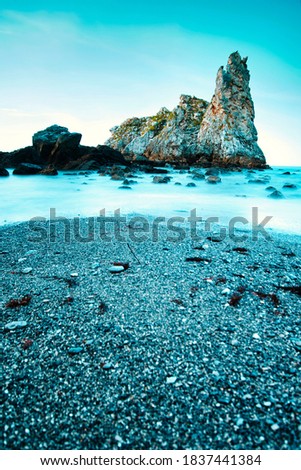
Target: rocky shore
(150, 345)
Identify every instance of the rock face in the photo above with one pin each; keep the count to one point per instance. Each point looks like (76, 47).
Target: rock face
(228, 135)
(169, 136)
(56, 147)
(221, 133)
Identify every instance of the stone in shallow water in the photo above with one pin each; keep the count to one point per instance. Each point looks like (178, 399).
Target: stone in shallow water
(212, 179)
(276, 195)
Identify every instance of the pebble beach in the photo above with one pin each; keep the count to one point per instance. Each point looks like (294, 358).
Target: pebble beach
(150, 345)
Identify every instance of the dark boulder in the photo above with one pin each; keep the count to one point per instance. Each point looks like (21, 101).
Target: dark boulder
(3, 172)
(289, 186)
(27, 169)
(212, 179)
(276, 195)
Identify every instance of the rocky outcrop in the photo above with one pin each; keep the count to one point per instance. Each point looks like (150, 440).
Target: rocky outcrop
(15, 158)
(221, 133)
(228, 135)
(57, 148)
(169, 136)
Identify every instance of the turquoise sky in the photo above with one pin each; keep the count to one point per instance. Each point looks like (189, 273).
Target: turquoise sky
(89, 65)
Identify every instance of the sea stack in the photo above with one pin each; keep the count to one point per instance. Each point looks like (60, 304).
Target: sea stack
(220, 133)
(228, 135)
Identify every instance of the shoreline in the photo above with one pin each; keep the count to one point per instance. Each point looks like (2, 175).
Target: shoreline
(194, 345)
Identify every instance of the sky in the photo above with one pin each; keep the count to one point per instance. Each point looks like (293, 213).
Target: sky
(89, 65)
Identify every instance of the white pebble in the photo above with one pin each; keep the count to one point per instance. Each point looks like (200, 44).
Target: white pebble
(26, 270)
(226, 291)
(74, 274)
(267, 403)
(116, 269)
(171, 380)
(256, 336)
(275, 427)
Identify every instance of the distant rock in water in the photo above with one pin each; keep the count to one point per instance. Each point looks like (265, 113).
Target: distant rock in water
(221, 133)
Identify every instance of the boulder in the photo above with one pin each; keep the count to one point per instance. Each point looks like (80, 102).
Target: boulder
(212, 179)
(276, 195)
(161, 179)
(289, 186)
(27, 169)
(3, 172)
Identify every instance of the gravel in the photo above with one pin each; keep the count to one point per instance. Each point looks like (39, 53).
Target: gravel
(167, 354)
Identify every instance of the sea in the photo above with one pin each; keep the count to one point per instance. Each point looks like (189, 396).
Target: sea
(23, 198)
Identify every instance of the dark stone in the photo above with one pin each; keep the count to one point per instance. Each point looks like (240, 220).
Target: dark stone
(270, 188)
(276, 195)
(213, 179)
(191, 185)
(27, 169)
(289, 186)
(161, 179)
(156, 171)
(3, 172)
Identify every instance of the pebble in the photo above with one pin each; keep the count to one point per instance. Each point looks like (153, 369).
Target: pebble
(15, 324)
(234, 342)
(256, 336)
(171, 380)
(107, 366)
(267, 403)
(275, 427)
(239, 422)
(226, 291)
(116, 269)
(26, 270)
(20, 260)
(75, 350)
(74, 274)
